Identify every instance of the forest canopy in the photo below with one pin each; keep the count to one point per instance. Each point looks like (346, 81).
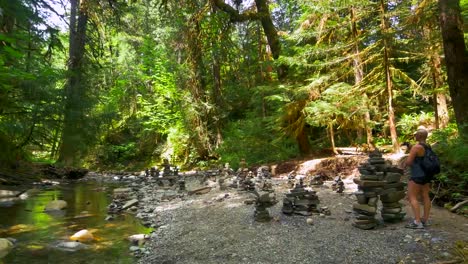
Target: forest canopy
(114, 84)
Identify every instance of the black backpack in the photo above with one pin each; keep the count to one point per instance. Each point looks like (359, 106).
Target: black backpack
(430, 163)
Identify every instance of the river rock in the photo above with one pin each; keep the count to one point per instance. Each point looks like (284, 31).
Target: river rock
(8, 193)
(130, 204)
(5, 247)
(82, 235)
(55, 205)
(138, 239)
(119, 191)
(71, 245)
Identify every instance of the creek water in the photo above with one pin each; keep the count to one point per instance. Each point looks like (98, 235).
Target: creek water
(37, 233)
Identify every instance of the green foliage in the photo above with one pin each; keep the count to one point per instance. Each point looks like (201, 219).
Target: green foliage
(453, 154)
(408, 123)
(253, 140)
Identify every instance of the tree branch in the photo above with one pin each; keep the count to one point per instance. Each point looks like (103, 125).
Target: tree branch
(234, 14)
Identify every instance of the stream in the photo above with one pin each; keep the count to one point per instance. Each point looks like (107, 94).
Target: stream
(38, 233)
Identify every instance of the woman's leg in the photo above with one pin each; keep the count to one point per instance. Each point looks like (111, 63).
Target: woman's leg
(426, 200)
(414, 190)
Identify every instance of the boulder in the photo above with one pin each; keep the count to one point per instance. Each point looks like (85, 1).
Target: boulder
(55, 205)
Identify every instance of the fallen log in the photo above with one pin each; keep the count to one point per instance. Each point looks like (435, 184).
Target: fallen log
(458, 205)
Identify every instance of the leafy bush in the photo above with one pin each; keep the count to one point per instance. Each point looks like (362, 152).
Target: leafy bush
(453, 154)
(253, 140)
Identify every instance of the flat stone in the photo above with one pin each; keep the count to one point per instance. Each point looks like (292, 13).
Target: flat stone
(375, 190)
(391, 210)
(397, 185)
(287, 210)
(364, 184)
(373, 201)
(371, 177)
(375, 161)
(365, 221)
(122, 190)
(392, 197)
(370, 194)
(303, 213)
(306, 202)
(393, 217)
(130, 204)
(392, 205)
(364, 217)
(366, 226)
(388, 191)
(365, 209)
(392, 177)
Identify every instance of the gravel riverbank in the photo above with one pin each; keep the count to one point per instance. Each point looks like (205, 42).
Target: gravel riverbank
(218, 227)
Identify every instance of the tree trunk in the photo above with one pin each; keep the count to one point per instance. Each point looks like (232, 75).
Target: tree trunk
(388, 78)
(74, 91)
(303, 142)
(199, 122)
(332, 138)
(441, 114)
(456, 60)
(359, 74)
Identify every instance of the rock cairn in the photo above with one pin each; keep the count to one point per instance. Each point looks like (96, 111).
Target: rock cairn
(263, 201)
(338, 185)
(300, 201)
(182, 184)
(247, 184)
(378, 179)
(263, 172)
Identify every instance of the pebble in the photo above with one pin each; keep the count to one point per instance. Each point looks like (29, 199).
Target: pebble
(134, 248)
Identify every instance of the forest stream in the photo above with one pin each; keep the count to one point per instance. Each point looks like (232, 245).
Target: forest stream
(38, 235)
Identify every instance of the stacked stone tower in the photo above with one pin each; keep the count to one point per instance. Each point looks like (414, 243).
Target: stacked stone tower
(300, 201)
(378, 179)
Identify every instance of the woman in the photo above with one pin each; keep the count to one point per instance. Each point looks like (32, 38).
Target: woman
(419, 183)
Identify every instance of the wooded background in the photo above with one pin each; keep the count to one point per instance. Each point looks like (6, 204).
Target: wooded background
(114, 84)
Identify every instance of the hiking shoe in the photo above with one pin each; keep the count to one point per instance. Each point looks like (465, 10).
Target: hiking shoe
(425, 223)
(414, 225)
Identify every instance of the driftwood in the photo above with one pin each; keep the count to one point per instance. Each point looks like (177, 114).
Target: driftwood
(458, 205)
(200, 191)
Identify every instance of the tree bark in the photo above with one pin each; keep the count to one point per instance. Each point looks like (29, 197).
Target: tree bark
(456, 60)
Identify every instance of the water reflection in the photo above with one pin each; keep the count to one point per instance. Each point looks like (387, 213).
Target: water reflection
(37, 232)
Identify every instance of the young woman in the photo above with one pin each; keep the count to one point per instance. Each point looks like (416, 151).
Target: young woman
(419, 183)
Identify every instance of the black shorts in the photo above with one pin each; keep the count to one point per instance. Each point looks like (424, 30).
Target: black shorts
(421, 180)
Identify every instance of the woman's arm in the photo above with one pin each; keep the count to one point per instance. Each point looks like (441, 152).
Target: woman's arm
(413, 154)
